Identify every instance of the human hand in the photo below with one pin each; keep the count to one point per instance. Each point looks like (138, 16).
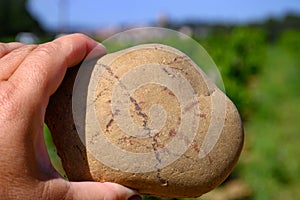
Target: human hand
(29, 75)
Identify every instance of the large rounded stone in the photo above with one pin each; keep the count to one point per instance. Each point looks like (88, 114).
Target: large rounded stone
(147, 118)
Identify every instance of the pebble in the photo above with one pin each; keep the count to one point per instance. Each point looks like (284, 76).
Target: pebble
(148, 118)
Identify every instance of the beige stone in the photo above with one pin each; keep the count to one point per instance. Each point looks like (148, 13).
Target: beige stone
(148, 118)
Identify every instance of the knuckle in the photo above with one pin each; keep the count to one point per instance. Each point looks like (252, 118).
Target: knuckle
(49, 54)
(44, 56)
(54, 189)
(8, 103)
(46, 50)
(3, 49)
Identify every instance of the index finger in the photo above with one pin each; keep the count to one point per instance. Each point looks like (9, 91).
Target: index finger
(41, 72)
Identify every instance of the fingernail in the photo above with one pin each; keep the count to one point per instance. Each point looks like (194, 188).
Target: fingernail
(97, 52)
(101, 45)
(135, 197)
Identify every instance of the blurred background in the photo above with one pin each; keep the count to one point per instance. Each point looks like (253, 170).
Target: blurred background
(255, 44)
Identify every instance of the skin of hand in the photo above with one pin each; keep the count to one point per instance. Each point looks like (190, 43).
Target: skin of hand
(29, 75)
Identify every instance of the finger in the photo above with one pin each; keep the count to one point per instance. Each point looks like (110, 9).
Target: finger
(5, 48)
(40, 74)
(11, 61)
(60, 189)
(94, 190)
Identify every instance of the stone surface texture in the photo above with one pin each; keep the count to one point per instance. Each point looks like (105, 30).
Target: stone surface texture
(164, 102)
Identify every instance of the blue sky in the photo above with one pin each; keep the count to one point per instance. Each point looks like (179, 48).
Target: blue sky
(94, 14)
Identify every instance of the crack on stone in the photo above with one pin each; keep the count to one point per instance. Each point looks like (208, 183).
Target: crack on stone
(164, 88)
(202, 115)
(210, 92)
(168, 73)
(110, 71)
(98, 96)
(123, 86)
(126, 139)
(155, 147)
(180, 58)
(172, 132)
(108, 125)
(154, 143)
(140, 113)
(189, 107)
(117, 112)
(177, 59)
(108, 68)
(95, 135)
(171, 93)
(163, 182)
(138, 109)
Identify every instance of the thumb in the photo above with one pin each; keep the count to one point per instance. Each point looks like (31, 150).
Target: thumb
(61, 189)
